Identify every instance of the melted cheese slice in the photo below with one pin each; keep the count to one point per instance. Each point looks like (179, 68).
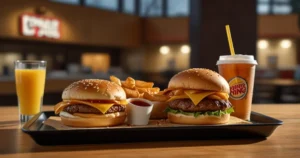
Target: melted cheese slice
(221, 95)
(122, 102)
(197, 96)
(213, 96)
(102, 107)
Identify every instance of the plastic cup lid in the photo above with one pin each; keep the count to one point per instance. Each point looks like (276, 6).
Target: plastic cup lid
(235, 59)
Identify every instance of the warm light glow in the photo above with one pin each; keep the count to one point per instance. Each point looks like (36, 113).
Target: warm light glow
(98, 62)
(263, 44)
(185, 49)
(285, 43)
(164, 50)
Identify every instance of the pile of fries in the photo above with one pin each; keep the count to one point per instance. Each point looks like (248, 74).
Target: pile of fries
(140, 89)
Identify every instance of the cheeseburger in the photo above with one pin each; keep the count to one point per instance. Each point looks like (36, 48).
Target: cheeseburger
(92, 103)
(198, 96)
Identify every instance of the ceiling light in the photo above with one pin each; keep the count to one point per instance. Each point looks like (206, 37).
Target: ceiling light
(185, 49)
(285, 43)
(263, 44)
(164, 50)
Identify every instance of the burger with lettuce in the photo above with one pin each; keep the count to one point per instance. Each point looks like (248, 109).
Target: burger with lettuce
(198, 96)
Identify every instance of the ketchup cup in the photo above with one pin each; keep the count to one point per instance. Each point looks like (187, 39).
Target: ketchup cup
(139, 111)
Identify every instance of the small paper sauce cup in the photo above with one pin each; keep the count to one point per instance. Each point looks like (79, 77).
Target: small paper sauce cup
(139, 111)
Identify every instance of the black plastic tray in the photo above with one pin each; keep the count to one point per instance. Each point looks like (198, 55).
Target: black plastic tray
(262, 126)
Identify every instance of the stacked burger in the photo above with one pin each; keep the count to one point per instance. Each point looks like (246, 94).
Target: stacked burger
(198, 96)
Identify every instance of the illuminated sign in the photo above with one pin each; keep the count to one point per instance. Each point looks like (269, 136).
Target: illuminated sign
(40, 26)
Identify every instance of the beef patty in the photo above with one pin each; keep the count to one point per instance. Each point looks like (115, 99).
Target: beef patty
(204, 105)
(81, 108)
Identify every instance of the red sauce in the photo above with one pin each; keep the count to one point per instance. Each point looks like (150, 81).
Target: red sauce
(140, 103)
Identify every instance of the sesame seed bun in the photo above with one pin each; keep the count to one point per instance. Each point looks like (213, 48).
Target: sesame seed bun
(199, 79)
(93, 120)
(87, 91)
(199, 120)
(94, 89)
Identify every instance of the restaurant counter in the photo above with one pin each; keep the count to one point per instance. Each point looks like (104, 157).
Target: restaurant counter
(284, 142)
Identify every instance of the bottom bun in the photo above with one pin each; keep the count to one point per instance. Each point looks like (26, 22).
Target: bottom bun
(199, 120)
(92, 120)
(158, 110)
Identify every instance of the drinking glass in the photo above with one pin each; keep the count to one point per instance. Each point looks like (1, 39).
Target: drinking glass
(30, 79)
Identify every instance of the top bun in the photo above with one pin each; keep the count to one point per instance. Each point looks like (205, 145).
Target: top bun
(94, 89)
(199, 79)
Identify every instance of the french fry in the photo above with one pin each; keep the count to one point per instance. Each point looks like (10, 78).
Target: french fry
(141, 95)
(115, 80)
(143, 84)
(223, 95)
(164, 91)
(142, 90)
(130, 93)
(178, 92)
(155, 97)
(214, 97)
(137, 88)
(153, 90)
(129, 83)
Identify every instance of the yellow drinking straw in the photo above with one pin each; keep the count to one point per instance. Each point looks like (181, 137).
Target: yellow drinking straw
(229, 40)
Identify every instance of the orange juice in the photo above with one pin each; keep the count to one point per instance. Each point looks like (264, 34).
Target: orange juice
(30, 85)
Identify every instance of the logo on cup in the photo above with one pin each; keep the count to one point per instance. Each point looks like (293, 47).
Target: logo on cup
(238, 88)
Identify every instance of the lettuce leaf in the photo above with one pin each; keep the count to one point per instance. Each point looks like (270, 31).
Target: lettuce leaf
(196, 114)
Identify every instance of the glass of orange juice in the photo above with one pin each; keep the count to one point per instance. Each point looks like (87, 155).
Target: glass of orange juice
(30, 79)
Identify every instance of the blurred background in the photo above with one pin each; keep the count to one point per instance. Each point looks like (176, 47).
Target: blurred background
(149, 40)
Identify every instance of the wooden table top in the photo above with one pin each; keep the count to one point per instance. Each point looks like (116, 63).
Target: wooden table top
(284, 142)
